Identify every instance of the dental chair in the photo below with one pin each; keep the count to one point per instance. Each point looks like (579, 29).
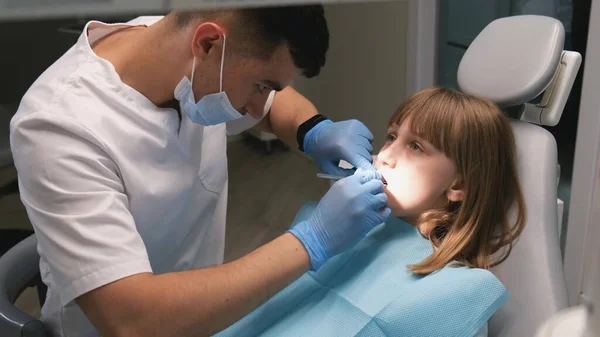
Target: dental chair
(19, 269)
(519, 63)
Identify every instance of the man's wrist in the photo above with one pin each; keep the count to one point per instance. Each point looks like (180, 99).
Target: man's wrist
(303, 233)
(305, 128)
(292, 242)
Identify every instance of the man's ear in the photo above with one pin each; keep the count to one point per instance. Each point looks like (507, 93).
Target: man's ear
(205, 37)
(456, 192)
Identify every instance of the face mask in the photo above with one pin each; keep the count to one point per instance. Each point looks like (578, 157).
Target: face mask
(212, 109)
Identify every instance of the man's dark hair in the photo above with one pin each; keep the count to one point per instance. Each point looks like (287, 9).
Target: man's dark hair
(261, 30)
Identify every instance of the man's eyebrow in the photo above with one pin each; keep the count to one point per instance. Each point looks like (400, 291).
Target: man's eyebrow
(273, 85)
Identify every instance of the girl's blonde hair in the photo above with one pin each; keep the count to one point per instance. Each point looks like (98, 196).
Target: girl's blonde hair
(475, 135)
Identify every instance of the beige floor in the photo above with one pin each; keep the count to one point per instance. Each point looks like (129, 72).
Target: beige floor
(265, 192)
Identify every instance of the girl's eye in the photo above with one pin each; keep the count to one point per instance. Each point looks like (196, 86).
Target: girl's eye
(260, 87)
(390, 137)
(416, 147)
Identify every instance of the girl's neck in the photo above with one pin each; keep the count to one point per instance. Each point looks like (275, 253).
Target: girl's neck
(409, 220)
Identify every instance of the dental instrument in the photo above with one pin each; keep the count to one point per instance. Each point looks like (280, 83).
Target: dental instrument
(329, 176)
(338, 177)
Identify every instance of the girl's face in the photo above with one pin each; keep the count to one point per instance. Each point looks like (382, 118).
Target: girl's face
(419, 176)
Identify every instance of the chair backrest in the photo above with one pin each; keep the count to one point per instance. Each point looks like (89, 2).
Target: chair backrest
(514, 61)
(19, 269)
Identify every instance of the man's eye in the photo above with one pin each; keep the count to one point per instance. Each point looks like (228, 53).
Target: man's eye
(260, 87)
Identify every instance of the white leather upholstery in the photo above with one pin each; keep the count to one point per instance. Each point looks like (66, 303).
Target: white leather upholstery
(533, 273)
(511, 62)
(513, 59)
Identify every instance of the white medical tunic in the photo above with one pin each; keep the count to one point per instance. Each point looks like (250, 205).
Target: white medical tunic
(114, 185)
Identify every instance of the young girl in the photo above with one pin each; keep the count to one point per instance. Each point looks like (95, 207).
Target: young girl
(449, 161)
(452, 185)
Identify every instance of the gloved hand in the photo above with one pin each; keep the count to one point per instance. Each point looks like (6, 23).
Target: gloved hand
(328, 143)
(348, 211)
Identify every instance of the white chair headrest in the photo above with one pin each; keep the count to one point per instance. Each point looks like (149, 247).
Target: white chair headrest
(513, 60)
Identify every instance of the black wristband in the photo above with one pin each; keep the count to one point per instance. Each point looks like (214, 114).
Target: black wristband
(305, 127)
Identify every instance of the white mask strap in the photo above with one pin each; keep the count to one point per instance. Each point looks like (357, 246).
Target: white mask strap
(222, 62)
(193, 70)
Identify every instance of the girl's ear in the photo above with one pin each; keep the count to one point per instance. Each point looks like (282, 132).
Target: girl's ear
(456, 192)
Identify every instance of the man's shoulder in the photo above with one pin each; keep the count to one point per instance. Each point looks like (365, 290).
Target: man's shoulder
(72, 95)
(76, 107)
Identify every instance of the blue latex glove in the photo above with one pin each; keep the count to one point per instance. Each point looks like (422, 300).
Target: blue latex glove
(328, 143)
(348, 211)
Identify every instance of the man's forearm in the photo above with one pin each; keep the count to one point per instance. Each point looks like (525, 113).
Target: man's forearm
(197, 302)
(289, 110)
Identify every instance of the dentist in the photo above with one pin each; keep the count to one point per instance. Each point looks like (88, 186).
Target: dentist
(120, 148)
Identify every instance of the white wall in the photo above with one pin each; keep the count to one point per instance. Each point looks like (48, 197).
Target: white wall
(365, 73)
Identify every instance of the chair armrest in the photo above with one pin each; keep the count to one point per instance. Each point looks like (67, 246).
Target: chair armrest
(19, 267)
